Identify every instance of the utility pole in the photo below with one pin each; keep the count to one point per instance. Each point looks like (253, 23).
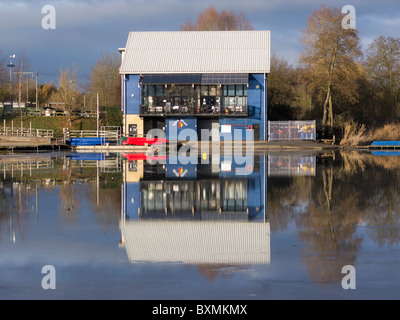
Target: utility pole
(97, 114)
(20, 73)
(11, 65)
(27, 90)
(20, 85)
(37, 100)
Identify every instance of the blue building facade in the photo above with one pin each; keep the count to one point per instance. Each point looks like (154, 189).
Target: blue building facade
(202, 191)
(212, 81)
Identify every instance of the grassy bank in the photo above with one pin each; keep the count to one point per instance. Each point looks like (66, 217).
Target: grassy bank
(51, 123)
(109, 116)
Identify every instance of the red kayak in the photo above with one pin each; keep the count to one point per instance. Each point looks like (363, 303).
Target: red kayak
(142, 141)
(142, 156)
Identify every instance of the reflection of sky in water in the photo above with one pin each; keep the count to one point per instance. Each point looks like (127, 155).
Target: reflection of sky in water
(84, 246)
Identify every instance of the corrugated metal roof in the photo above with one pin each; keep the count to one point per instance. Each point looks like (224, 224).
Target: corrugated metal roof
(197, 241)
(197, 52)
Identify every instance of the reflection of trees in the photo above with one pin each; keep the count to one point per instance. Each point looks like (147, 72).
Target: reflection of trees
(353, 191)
(75, 185)
(69, 196)
(14, 204)
(286, 198)
(329, 229)
(103, 195)
(377, 178)
(212, 271)
(384, 216)
(105, 198)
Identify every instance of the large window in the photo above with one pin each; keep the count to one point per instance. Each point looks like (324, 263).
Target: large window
(235, 97)
(191, 199)
(200, 99)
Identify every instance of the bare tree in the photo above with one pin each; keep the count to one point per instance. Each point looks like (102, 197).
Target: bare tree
(281, 82)
(383, 67)
(4, 89)
(212, 20)
(105, 80)
(68, 91)
(330, 50)
(24, 79)
(45, 92)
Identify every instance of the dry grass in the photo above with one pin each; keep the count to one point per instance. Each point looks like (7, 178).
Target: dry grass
(356, 135)
(354, 161)
(389, 132)
(353, 134)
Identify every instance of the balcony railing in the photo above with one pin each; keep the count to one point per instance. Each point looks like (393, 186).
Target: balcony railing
(232, 111)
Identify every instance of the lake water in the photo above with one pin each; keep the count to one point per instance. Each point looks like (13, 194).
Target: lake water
(279, 226)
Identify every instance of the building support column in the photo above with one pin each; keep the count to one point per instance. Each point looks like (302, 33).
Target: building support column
(265, 107)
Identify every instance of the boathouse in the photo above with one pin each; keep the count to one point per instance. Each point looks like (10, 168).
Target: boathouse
(197, 80)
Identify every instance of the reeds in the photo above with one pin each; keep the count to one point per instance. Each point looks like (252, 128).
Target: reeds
(357, 135)
(353, 134)
(354, 161)
(389, 132)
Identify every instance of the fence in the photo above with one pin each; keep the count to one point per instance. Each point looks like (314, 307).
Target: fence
(291, 130)
(285, 165)
(111, 134)
(103, 162)
(26, 132)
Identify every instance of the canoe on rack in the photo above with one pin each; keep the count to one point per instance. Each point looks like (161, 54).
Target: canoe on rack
(142, 141)
(90, 141)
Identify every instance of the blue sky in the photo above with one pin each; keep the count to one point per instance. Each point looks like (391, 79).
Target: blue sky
(85, 29)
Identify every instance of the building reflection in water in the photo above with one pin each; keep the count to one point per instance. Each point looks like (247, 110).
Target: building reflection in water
(291, 164)
(195, 213)
(212, 212)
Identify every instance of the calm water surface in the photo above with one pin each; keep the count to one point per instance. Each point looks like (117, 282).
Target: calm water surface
(280, 226)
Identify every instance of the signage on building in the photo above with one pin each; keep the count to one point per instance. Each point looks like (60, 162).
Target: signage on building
(180, 123)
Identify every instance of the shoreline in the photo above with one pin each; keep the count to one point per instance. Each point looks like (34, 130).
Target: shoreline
(302, 145)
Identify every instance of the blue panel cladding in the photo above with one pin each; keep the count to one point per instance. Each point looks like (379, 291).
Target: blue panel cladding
(175, 126)
(176, 170)
(256, 102)
(257, 200)
(132, 200)
(236, 166)
(241, 128)
(256, 192)
(255, 96)
(132, 94)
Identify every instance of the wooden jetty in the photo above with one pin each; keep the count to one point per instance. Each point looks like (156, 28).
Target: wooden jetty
(24, 142)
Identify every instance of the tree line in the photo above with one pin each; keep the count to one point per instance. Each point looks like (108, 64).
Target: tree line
(68, 92)
(335, 80)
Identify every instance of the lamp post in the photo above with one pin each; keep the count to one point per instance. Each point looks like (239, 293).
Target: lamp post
(11, 65)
